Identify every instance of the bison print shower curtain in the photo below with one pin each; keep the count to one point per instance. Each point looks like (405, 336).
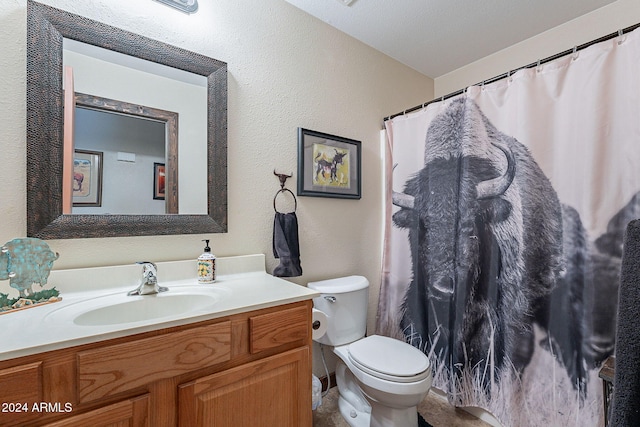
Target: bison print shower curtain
(506, 209)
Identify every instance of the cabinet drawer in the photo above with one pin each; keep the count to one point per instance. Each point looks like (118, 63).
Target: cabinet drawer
(116, 368)
(272, 330)
(21, 383)
(131, 412)
(20, 388)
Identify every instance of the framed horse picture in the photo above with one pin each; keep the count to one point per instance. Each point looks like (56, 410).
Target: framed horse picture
(87, 178)
(328, 165)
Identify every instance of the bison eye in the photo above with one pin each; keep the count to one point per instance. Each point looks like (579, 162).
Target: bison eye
(445, 286)
(496, 210)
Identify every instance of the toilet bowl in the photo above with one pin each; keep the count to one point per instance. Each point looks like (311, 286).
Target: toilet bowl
(393, 376)
(381, 380)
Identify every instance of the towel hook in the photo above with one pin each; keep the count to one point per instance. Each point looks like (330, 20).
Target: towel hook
(283, 179)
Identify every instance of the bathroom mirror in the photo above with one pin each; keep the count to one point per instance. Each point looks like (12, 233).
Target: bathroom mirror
(47, 28)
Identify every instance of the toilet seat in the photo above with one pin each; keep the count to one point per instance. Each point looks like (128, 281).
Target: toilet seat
(389, 359)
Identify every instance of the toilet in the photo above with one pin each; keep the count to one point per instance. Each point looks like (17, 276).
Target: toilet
(381, 380)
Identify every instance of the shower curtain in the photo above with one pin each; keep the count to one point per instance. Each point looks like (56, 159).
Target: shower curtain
(504, 228)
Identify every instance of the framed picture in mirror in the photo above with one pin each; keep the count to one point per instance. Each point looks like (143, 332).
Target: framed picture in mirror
(87, 178)
(158, 181)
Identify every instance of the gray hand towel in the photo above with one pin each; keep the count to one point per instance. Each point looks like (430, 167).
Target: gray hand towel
(285, 245)
(625, 409)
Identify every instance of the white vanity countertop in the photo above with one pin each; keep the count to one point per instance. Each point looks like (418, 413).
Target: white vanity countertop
(241, 281)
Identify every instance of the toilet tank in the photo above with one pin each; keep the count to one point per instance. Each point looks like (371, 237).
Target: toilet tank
(345, 301)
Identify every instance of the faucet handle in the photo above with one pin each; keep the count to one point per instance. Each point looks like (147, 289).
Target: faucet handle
(149, 283)
(148, 268)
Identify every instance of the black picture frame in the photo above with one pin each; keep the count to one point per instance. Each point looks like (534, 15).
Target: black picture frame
(159, 181)
(87, 178)
(328, 165)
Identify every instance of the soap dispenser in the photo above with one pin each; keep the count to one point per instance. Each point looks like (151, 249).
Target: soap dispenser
(206, 265)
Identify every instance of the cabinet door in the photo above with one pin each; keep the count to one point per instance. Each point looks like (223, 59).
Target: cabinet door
(275, 391)
(131, 412)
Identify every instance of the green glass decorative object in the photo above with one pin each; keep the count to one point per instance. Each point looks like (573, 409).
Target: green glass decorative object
(25, 262)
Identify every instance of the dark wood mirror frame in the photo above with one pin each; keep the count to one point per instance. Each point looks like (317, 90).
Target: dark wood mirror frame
(46, 29)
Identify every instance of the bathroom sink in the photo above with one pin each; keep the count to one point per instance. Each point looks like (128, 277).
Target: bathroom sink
(117, 309)
(147, 307)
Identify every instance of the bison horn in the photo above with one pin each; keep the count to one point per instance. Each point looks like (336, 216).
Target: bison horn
(403, 200)
(497, 186)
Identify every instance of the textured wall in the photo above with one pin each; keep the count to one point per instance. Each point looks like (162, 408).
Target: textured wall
(606, 20)
(286, 70)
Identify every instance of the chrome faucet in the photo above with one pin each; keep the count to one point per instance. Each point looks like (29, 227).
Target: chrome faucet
(149, 282)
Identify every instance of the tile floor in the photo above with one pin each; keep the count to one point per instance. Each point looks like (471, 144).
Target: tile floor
(434, 410)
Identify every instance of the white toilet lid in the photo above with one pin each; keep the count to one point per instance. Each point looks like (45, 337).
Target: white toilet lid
(389, 359)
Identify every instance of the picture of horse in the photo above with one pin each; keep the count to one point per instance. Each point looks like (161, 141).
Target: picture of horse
(331, 166)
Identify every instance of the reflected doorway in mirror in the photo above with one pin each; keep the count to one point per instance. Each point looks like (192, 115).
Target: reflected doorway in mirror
(147, 136)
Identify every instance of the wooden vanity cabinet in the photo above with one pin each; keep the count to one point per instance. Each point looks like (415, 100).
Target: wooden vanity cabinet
(248, 369)
(269, 392)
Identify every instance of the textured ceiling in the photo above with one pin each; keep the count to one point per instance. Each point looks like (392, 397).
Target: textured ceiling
(435, 37)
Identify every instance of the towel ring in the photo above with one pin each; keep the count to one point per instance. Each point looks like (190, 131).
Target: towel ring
(282, 190)
(283, 178)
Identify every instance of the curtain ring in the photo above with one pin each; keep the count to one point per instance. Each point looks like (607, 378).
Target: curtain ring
(538, 66)
(575, 53)
(621, 37)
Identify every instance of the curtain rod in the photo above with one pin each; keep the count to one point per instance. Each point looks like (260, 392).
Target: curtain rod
(509, 73)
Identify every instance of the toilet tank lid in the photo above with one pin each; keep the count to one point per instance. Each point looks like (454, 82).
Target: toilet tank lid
(340, 285)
